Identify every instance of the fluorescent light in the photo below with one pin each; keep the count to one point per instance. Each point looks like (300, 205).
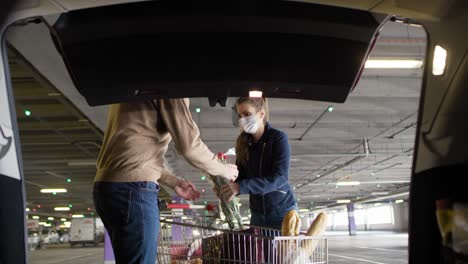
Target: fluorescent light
(438, 63)
(348, 183)
(63, 219)
(57, 190)
(78, 216)
(393, 64)
(50, 218)
(62, 208)
(35, 217)
(42, 223)
(27, 210)
(63, 226)
(303, 210)
(379, 193)
(398, 201)
(47, 225)
(343, 201)
(377, 204)
(256, 94)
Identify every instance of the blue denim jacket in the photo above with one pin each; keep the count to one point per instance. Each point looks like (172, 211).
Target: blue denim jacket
(266, 175)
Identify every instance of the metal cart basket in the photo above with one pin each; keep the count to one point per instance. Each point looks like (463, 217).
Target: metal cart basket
(185, 243)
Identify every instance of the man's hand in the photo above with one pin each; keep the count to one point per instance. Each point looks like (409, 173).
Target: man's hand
(187, 190)
(229, 191)
(231, 172)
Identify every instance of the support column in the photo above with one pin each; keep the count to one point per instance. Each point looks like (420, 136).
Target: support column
(351, 220)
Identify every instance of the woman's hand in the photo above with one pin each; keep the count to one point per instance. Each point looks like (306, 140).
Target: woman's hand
(229, 191)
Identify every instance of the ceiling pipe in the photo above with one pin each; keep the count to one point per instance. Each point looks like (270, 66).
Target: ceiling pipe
(367, 200)
(318, 155)
(315, 122)
(39, 78)
(58, 132)
(365, 144)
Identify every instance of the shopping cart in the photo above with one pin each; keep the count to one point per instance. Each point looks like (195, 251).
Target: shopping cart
(181, 242)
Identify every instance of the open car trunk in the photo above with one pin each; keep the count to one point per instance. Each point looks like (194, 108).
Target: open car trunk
(179, 48)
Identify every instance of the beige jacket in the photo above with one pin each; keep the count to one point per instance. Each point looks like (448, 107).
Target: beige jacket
(137, 137)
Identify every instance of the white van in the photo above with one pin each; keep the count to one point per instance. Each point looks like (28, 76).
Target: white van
(86, 231)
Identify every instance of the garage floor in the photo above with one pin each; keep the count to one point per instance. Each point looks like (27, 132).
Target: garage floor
(369, 247)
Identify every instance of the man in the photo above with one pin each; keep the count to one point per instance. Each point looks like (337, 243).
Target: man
(130, 167)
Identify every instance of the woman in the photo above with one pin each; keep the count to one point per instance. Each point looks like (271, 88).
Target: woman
(262, 157)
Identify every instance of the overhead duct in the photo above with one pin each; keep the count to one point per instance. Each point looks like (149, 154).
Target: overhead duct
(365, 145)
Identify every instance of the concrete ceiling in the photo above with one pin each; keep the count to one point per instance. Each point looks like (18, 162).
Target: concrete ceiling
(379, 118)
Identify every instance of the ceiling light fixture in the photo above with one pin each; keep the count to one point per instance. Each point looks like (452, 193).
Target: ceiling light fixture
(348, 183)
(393, 64)
(343, 201)
(398, 201)
(35, 217)
(438, 63)
(77, 216)
(256, 94)
(58, 190)
(62, 208)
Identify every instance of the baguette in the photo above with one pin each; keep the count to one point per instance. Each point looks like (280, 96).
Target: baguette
(291, 225)
(317, 228)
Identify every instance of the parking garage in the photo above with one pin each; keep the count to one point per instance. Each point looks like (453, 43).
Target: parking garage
(352, 161)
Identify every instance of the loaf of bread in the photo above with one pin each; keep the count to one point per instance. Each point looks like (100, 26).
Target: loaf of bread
(317, 228)
(291, 225)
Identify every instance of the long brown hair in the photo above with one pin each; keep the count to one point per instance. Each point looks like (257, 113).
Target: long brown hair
(242, 147)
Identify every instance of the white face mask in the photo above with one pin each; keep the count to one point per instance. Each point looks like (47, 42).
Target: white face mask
(249, 124)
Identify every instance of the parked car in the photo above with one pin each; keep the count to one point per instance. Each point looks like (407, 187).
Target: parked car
(64, 238)
(35, 240)
(50, 236)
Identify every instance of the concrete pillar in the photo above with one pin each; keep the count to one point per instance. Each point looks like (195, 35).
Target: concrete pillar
(351, 220)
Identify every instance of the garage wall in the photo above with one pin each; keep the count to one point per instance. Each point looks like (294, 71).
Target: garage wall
(399, 222)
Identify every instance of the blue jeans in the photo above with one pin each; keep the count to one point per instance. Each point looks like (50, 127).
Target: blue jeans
(130, 213)
(270, 220)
